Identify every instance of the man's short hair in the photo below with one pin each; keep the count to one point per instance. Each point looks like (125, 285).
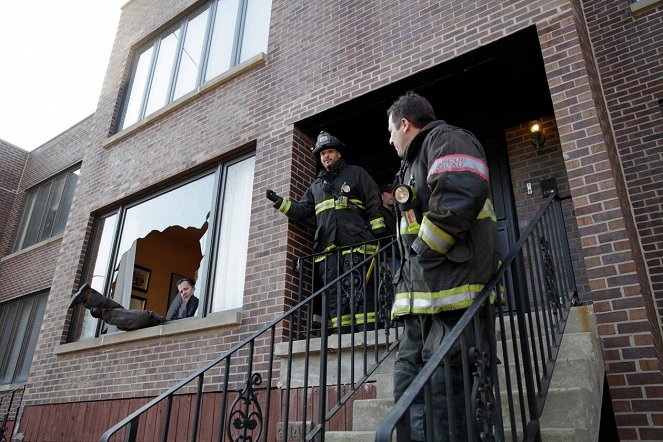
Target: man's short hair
(414, 108)
(192, 282)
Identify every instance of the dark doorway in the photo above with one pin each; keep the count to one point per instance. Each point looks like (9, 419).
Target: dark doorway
(485, 91)
(497, 86)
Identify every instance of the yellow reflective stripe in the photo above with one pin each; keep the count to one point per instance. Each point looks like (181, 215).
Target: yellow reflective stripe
(285, 206)
(358, 203)
(408, 229)
(487, 211)
(435, 302)
(366, 249)
(377, 223)
(436, 238)
(323, 257)
(324, 205)
(359, 319)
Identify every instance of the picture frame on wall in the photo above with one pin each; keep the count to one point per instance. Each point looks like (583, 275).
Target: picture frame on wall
(141, 278)
(137, 303)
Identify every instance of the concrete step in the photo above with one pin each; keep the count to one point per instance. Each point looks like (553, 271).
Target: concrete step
(351, 436)
(385, 386)
(368, 414)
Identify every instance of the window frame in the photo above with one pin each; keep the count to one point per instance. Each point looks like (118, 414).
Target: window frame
(205, 285)
(154, 44)
(29, 205)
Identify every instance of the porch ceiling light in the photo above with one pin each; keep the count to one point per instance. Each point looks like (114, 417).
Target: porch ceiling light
(536, 130)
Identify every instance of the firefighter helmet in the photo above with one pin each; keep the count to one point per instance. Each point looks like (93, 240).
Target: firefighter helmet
(326, 141)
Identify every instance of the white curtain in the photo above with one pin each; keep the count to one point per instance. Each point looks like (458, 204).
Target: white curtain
(234, 237)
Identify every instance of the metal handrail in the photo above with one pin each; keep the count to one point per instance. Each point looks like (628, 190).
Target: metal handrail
(533, 311)
(7, 414)
(253, 377)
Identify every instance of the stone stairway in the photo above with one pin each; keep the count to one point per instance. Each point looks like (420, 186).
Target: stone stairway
(572, 409)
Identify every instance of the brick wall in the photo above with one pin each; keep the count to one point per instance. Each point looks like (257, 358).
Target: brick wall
(620, 290)
(12, 166)
(629, 56)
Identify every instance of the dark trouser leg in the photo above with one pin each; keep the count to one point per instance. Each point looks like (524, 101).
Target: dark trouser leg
(131, 319)
(114, 314)
(351, 288)
(327, 270)
(423, 334)
(408, 364)
(96, 299)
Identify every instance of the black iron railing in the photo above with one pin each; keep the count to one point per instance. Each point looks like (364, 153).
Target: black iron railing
(505, 385)
(10, 406)
(264, 399)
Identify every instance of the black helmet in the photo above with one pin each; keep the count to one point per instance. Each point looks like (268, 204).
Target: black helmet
(326, 141)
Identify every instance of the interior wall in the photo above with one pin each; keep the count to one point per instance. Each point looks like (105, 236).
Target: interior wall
(163, 256)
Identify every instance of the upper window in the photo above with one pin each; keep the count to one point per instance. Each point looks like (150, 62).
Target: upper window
(197, 229)
(20, 321)
(46, 209)
(205, 44)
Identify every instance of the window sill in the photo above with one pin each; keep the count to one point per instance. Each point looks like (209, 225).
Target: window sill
(32, 247)
(642, 6)
(11, 387)
(257, 60)
(222, 319)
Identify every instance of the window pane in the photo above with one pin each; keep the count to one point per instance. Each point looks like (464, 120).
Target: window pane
(52, 206)
(8, 313)
(234, 236)
(99, 254)
(256, 28)
(37, 216)
(65, 205)
(191, 55)
(138, 85)
(163, 71)
(223, 37)
(30, 339)
(27, 213)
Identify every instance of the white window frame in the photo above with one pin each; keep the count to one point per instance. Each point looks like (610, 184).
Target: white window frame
(144, 70)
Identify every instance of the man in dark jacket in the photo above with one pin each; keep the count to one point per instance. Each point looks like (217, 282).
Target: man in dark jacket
(448, 242)
(185, 304)
(345, 202)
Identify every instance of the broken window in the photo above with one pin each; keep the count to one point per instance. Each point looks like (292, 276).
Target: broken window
(139, 251)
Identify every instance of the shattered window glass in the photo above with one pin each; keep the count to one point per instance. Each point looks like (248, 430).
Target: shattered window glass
(139, 251)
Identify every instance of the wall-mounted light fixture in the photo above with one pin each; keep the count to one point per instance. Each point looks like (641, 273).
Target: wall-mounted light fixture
(537, 133)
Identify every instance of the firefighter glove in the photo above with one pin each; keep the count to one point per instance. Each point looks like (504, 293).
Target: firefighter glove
(271, 195)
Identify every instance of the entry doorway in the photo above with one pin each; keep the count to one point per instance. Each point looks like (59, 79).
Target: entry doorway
(495, 87)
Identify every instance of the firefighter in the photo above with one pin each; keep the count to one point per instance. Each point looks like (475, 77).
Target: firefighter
(345, 202)
(448, 241)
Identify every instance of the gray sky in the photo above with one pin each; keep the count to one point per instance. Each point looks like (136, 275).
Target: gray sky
(53, 60)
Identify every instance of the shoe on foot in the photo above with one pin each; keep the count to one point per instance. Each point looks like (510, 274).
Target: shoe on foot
(80, 296)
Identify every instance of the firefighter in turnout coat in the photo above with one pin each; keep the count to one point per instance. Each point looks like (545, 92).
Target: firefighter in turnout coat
(448, 241)
(345, 202)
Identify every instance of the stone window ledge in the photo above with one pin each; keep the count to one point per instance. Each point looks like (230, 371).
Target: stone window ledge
(257, 60)
(31, 248)
(643, 5)
(180, 326)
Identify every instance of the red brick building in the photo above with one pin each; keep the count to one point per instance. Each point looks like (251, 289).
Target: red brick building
(206, 104)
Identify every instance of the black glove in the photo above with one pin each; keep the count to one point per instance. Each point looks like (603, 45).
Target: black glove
(271, 195)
